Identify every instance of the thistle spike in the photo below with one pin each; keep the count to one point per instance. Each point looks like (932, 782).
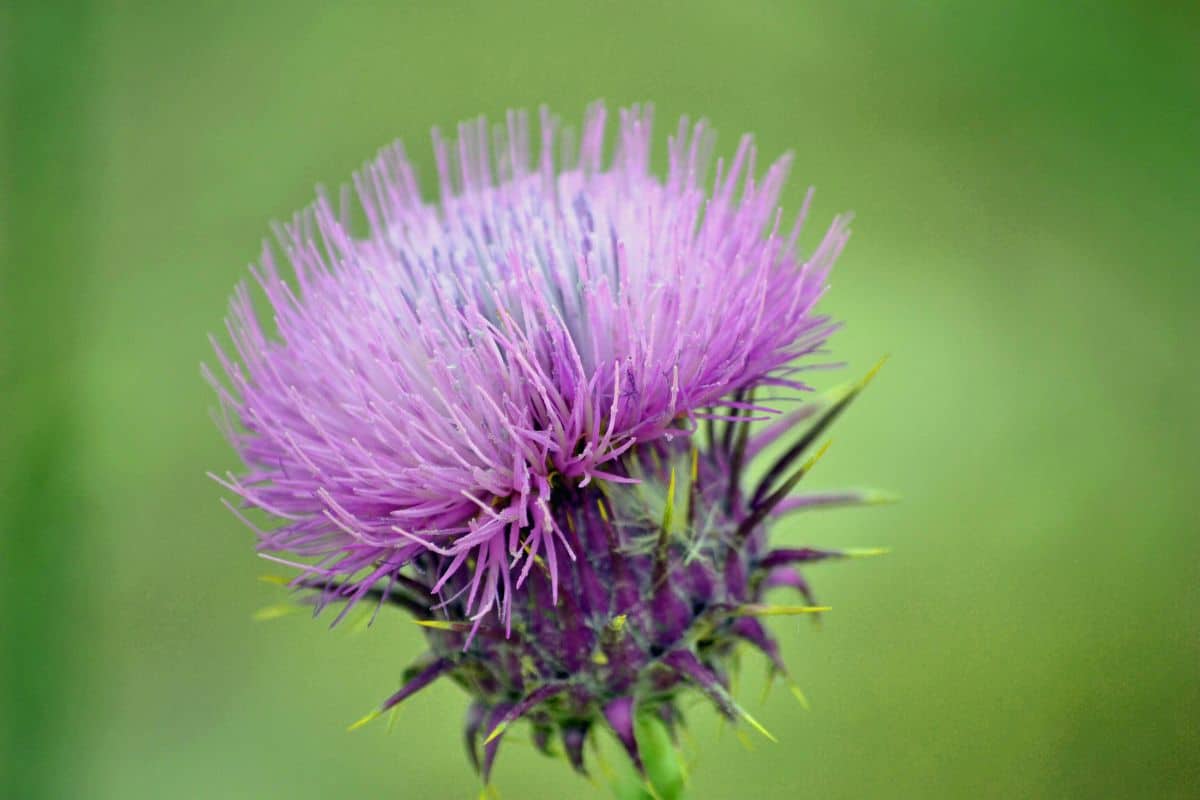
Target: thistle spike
(436, 669)
(494, 716)
(476, 714)
(275, 611)
(522, 708)
(731, 424)
(776, 470)
(737, 454)
(662, 551)
(753, 632)
(762, 610)
(779, 428)
(813, 502)
(760, 510)
(685, 663)
(541, 738)
(443, 625)
(801, 555)
(790, 578)
(620, 716)
(574, 737)
(693, 485)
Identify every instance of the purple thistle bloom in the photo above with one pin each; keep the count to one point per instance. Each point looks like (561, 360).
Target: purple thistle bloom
(524, 414)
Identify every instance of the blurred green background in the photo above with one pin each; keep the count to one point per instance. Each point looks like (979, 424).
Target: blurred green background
(1025, 181)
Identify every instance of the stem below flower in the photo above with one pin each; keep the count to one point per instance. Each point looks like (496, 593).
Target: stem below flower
(666, 774)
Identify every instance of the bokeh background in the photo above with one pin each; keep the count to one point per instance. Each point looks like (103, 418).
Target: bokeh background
(1025, 181)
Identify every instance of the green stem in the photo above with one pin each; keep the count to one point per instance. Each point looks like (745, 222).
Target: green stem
(666, 774)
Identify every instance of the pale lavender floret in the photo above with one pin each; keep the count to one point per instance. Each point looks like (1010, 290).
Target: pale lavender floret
(427, 385)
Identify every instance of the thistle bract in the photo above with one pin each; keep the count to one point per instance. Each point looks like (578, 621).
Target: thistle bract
(524, 413)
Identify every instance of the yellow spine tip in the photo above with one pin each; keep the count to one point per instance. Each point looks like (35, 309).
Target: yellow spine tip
(273, 612)
(778, 611)
(495, 734)
(371, 717)
(669, 507)
(437, 624)
(866, 552)
(817, 456)
(757, 725)
(873, 372)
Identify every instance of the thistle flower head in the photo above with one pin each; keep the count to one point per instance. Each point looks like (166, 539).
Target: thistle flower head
(523, 412)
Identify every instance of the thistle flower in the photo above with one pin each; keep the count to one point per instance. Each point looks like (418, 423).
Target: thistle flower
(524, 413)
